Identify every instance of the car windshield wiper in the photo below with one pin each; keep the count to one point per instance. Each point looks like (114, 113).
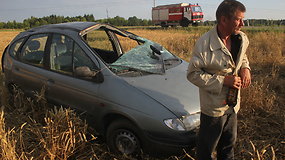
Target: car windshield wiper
(170, 61)
(128, 69)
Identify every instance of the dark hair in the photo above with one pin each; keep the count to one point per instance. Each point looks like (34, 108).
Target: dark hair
(228, 8)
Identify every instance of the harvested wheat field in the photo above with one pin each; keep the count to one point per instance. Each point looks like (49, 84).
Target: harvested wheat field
(32, 129)
(6, 37)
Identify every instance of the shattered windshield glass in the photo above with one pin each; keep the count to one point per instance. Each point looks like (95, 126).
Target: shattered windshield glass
(145, 59)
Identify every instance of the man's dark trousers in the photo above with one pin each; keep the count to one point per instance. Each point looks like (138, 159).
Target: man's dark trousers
(217, 133)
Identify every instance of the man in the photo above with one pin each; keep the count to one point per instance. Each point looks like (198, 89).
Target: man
(219, 65)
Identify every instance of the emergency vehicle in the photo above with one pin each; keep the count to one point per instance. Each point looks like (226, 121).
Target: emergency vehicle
(177, 14)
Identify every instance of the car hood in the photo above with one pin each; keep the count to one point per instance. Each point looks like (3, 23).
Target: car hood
(171, 89)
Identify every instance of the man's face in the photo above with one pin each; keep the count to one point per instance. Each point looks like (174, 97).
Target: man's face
(233, 25)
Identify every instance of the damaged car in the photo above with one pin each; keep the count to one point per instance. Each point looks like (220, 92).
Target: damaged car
(132, 90)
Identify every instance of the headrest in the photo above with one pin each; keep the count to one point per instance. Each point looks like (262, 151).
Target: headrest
(34, 45)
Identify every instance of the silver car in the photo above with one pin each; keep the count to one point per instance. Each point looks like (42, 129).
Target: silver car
(131, 90)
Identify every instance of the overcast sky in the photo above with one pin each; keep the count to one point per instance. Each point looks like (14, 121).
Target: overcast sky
(21, 9)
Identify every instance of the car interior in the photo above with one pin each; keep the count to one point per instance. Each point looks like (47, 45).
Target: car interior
(107, 56)
(32, 53)
(60, 54)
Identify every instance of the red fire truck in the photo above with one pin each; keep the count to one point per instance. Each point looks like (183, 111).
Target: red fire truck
(177, 14)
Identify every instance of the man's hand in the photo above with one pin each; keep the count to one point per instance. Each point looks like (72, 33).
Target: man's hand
(245, 77)
(233, 81)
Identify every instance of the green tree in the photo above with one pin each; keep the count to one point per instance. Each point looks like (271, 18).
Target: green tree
(9, 25)
(2, 25)
(89, 17)
(26, 24)
(133, 21)
(53, 19)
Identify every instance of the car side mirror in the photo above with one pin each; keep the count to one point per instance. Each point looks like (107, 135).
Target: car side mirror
(156, 51)
(156, 48)
(86, 72)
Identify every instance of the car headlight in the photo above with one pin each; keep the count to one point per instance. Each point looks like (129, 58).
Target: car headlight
(185, 123)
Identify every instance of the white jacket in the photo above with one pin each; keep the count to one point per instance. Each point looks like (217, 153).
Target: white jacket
(210, 62)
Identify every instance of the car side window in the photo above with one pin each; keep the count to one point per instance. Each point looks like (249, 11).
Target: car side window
(33, 50)
(66, 55)
(101, 43)
(61, 54)
(15, 46)
(81, 59)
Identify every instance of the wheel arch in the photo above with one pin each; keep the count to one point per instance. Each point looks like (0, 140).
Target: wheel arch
(4, 54)
(185, 22)
(111, 117)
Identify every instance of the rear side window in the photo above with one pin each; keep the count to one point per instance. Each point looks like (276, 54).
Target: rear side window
(15, 47)
(33, 50)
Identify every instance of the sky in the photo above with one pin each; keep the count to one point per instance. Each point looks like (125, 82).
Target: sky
(19, 10)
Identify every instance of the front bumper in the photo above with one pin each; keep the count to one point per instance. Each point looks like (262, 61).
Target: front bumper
(171, 144)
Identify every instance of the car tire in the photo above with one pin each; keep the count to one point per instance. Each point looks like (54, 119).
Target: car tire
(123, 137)
(184, 22)
(163, 25)
(195, 24)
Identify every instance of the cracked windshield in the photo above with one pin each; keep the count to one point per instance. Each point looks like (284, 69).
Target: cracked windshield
(125, 55)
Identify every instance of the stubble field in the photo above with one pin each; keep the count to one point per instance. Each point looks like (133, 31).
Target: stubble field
(30, 129)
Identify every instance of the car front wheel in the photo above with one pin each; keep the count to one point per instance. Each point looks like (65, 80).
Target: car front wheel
(122, 137)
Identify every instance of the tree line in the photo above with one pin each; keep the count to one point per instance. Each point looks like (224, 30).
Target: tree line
(117, 21)
(254, 22)
(53, 19)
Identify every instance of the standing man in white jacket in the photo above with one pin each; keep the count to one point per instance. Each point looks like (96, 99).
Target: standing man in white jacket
(220, 68)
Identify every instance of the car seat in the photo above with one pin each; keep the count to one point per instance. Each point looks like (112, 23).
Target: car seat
(34, 45)
(33, 54)
(62, 60)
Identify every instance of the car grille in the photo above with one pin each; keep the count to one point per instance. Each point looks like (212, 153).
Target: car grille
(197, 16)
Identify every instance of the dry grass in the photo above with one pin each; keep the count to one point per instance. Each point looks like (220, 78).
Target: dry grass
(7, 141)
(42, 132)
(6, 37)
(262, 116)
(30, 129)
(176, 41)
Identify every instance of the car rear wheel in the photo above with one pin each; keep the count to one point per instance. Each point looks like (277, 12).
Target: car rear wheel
(122, 137)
